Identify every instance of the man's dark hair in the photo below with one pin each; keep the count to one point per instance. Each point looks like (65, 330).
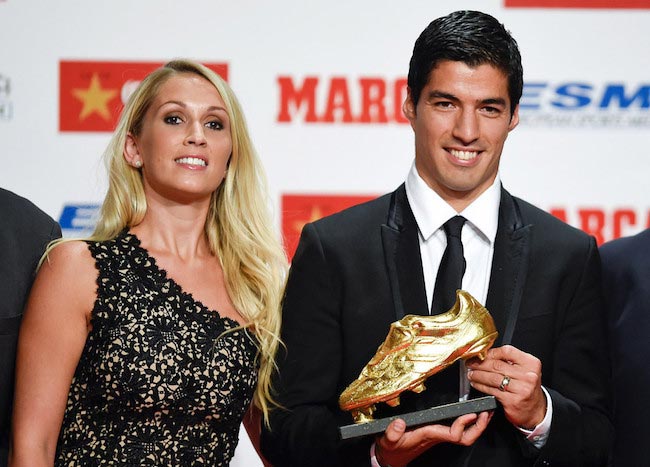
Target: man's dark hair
(471, 37)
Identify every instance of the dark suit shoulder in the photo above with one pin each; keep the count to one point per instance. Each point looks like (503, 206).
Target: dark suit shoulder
(24, 235)
(626, 264)
(357, 219)
(554, 231)
(628, 248)
(21, 213)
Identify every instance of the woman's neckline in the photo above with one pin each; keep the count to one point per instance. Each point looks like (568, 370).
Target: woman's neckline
(137, 243)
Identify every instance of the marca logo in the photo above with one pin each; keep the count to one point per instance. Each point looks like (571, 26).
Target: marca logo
(92, 94)
(578, 3)
(586, 104)
(298, 210)
(340, 99)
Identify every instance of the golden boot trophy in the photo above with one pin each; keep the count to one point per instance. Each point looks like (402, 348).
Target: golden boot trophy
(416, 348)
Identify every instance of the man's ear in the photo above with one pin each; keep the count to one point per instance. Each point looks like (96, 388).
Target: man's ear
(408, 108)
(131, 151)
(514, 120)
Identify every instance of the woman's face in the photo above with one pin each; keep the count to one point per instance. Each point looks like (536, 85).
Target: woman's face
(185, 143)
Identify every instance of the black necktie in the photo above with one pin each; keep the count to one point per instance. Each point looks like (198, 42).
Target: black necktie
(443, 387)
(452, 268)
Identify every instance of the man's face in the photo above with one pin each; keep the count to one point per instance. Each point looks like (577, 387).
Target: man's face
(461, 122)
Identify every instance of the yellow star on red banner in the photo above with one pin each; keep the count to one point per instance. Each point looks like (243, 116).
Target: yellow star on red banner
(95, 99)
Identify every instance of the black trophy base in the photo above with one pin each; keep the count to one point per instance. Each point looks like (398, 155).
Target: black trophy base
(421, 417)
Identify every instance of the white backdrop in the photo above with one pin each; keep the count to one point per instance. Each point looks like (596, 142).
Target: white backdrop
(580, 150)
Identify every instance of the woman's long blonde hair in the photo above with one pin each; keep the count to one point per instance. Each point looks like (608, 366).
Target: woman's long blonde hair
(238, 227)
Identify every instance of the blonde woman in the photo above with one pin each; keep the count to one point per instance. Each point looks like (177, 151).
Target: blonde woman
(150, 342)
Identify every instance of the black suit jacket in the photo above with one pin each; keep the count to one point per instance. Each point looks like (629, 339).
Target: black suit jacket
(626, 281)
(357, 271)
(25, 231)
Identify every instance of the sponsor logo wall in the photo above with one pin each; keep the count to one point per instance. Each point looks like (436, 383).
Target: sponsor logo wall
(323, 103)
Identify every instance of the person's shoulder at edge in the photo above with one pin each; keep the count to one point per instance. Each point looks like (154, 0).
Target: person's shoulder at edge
(21, 209)
(623, 260)
(632, 244)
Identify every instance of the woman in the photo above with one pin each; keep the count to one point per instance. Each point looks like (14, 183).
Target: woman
(146, 343)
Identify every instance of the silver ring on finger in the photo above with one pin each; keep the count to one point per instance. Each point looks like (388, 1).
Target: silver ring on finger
(504, 383)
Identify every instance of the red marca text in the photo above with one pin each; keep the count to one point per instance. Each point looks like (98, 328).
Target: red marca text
(341, 100)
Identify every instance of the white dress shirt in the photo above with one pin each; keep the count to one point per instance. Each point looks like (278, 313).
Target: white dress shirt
(478, 235)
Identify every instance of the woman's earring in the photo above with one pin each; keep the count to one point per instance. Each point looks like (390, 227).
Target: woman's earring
(137, 164)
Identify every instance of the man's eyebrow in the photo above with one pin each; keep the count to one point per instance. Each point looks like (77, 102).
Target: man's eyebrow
(441, 95)
(494, 101)
(445, 95)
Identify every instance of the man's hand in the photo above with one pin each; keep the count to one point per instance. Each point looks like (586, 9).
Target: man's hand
(515, 379)
(397, 447)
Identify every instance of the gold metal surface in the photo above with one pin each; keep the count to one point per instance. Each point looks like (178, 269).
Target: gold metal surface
(416, 348)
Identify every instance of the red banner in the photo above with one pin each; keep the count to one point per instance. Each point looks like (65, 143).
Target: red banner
(91, 94)
(613, 4)
(298, 210)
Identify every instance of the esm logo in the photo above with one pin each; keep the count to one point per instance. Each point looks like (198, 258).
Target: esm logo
(585, 104)
(581, 95)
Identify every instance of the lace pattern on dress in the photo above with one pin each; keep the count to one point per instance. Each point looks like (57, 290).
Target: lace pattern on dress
(158, 383)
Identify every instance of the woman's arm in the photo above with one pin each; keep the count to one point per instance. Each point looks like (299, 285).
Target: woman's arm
(52, 335)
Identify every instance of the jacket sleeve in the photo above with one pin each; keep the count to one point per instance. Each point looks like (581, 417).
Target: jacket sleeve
(304, 431)
(581, 429)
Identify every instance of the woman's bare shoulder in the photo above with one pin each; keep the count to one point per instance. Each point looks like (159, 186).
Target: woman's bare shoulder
(69, 254)
(68, 271)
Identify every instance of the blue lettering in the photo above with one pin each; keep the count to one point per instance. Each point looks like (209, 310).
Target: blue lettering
(572, 96)
(79, 217)
(615, 95)
(530, 98)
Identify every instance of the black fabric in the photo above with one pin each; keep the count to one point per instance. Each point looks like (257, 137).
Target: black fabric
(162, 379)
(451, 269)
(355, 271)
(25, 232)
(626, 283)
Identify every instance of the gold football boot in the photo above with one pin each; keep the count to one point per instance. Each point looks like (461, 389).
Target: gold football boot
(416, 348)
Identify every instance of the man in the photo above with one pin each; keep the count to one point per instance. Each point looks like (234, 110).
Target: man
(357, 271)
(626, 282)
(24, 234)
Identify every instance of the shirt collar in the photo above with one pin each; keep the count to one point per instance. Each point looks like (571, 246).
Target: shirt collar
(431, 211)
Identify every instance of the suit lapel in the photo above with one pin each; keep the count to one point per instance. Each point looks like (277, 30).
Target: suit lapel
(509, 265)
(509, 268)
(402, 256)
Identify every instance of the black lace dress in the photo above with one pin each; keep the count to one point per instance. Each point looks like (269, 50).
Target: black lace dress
(157, 382)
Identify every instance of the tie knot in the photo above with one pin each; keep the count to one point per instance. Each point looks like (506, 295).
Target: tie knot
(453, 226)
